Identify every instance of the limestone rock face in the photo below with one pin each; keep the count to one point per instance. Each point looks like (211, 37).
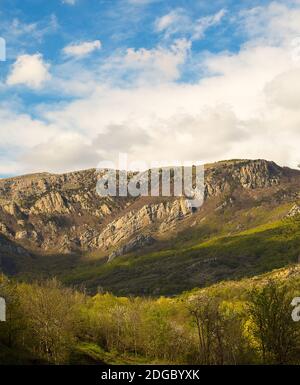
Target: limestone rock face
(295, 210)
(13, 209)
(160, 216)
(136, 243)
(258, 174)
(51, 203)
(21, 234)
(63, 213)
(246, 174)
(105, 209)
(4, 229)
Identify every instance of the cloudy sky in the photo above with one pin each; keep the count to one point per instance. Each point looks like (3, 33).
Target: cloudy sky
(163, 80)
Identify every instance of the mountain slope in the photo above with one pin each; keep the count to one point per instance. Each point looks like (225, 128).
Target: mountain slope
(58, 225)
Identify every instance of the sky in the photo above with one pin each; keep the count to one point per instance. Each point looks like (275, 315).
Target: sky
(161, 80)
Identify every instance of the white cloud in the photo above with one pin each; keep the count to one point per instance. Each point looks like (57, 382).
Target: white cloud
(206, 22)
(176, 16)
(70, 2)
(82, 49)
(246, 106)
(21, 35)
(16, 28)
(152, 66)
(29, 70)
(178, 21)
(281, 91)
(275, 23)
(141, 2)
(72, 150)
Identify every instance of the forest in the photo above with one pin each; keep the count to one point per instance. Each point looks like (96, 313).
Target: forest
(234, 322)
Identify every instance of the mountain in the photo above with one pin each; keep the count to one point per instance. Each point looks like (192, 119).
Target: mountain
(58, 225)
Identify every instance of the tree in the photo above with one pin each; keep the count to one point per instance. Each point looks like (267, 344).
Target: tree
(48, 309)
(10, 331)
(206, 316)
(272, 325)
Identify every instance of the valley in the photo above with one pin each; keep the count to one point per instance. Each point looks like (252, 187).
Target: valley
(57, 226)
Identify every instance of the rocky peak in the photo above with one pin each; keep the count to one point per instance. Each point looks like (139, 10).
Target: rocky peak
(246, 174)
(257, 174)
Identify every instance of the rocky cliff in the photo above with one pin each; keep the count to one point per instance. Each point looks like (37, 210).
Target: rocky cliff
(45, 213)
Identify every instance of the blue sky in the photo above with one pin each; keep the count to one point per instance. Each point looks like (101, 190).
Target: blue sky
(118, 24)
(161, 80)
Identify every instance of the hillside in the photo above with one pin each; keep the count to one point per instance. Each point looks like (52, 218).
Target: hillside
(58, 225)
(106, 329)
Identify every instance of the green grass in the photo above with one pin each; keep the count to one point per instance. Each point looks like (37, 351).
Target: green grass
(89, 353)
(235, 243)
(168, 272)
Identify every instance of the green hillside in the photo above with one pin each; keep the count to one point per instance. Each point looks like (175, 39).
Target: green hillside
(48, 323)
(222, 257)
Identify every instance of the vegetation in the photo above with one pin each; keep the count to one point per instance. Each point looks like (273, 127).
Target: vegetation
(233, 322)
(218, 257)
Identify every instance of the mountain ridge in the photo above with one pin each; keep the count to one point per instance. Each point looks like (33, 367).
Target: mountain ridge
(61, 215)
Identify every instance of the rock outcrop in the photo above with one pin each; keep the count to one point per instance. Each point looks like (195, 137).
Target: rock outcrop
(63, 213)
(52, 202)
(246, 174)
(295, 210)
(137, 243)
(160, 217)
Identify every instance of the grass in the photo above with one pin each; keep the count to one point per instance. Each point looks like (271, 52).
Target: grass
(89, 353)
(241, 241)
(168, 272)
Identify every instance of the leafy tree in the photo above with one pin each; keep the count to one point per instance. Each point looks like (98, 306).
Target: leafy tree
(270, 312)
